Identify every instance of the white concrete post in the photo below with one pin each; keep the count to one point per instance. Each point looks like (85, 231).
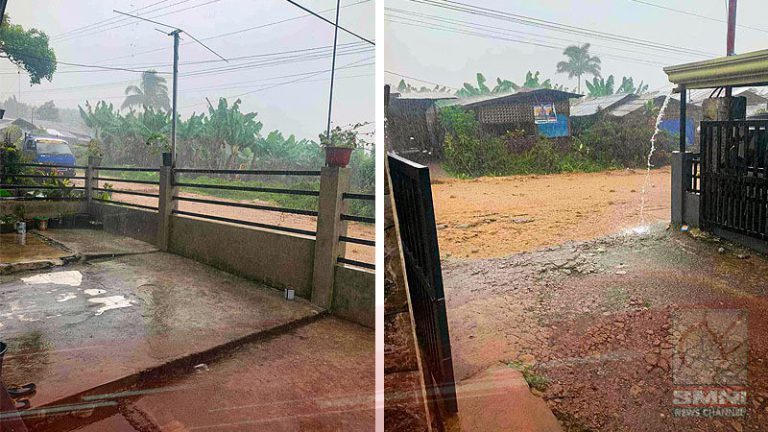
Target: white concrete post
(334, 182)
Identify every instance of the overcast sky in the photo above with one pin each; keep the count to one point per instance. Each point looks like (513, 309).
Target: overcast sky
(299, 108)
(451, 58)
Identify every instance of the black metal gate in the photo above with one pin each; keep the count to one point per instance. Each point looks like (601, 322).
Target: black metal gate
(734, 185)
(413, 199)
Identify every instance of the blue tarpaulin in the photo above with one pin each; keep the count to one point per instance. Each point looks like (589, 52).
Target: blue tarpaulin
(672, 127)
(559, 129)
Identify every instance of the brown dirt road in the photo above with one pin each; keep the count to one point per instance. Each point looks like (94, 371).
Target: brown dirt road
(357, 230)
(499, 216)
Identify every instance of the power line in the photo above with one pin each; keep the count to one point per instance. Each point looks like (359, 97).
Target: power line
(419, 80)
(551, 25)
(100, 30)
(112, 19)
(484, 27)
(217, 36)
(696, 15)
(491, 36)
(330, 22)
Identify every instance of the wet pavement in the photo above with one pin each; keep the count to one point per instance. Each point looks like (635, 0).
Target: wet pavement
(320, 377)
(599, 321)
(29, 247)
(91, 243)
(90, 324)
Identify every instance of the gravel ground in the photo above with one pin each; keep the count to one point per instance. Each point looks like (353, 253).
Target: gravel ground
(604, 321)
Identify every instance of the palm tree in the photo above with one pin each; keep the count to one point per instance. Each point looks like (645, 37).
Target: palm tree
(579, 63)
(151, 92)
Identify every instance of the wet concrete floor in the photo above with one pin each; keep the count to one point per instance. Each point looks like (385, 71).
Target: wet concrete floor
(18, 248)
(85, 325)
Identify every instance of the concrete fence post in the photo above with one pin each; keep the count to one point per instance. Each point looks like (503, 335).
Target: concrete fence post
(166, 206)
(334, 182)
(91, 177)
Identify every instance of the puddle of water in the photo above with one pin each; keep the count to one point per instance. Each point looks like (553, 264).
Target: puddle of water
(94, 291)
(71, 278)
(112, 302)
(66, 297)
(638, 230)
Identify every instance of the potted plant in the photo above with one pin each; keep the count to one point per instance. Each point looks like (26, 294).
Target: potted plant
(7, 223)
(67, 220)
(159, 143)
(41, 223)
(339, 145)
(94, 152)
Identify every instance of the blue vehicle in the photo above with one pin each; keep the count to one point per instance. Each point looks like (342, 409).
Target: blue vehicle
(51, 151)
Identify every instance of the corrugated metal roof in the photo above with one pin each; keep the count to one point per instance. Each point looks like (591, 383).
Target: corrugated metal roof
(635, 104)
(741, 70)
(426, 96)
(521, 95)
(592, 105)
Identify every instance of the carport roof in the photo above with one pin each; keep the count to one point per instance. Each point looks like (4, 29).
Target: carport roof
(748, 69)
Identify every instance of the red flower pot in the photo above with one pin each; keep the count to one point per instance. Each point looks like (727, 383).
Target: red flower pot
(337, 156)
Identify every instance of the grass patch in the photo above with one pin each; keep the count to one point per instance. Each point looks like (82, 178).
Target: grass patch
(535, 381)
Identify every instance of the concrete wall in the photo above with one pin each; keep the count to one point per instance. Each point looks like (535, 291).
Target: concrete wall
(691, 209)
(43, 208)
(354, 296)
(126, 221)
(276, 259)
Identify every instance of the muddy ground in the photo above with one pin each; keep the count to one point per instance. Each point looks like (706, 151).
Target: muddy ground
(600, 321)
(498, 216)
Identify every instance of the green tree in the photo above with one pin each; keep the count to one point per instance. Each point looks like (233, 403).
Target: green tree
(600, 86)
(47, 111)
(230, 130)
(628, 86)
(28, 49)
(152, 91)
(470, 90)
(579, 63)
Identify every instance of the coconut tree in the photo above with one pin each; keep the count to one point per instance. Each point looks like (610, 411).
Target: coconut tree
(152, 91)
(579, 63)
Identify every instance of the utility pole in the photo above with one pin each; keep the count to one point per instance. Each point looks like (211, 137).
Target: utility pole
(175, 33)
(333, 72)
(175, 114)
(731, 37)
(3, 4)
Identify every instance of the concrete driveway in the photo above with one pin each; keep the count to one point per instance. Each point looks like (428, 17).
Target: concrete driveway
(129, 318)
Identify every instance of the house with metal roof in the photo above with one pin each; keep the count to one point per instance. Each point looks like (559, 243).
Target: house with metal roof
(412, 124)
(590, 106)
(534, 111)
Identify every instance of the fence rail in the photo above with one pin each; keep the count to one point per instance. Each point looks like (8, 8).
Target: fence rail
(244, 222)
(107, 195)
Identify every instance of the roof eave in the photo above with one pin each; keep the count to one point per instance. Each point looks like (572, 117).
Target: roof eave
(748, 69)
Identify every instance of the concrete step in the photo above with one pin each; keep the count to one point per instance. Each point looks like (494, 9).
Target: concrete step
(499, 399)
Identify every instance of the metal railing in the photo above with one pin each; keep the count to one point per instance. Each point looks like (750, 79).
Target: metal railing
(38, 190)
(98, 180)
(357, 240)
(251, 206)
